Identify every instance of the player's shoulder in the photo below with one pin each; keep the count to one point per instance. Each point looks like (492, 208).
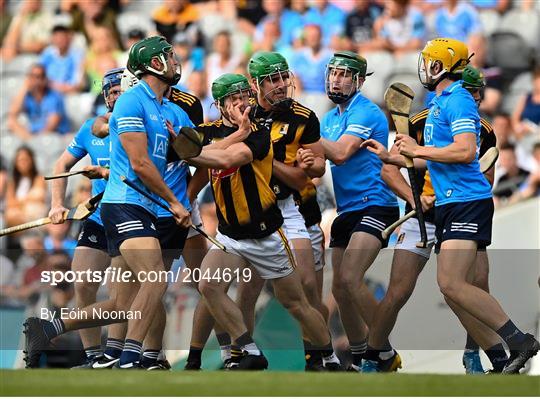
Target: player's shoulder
(419, 117)
(217, 124)
(363, 107)
(486, 126)
(179, 96)
(300, 111)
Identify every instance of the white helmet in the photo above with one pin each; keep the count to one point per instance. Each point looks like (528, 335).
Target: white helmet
(128, 81)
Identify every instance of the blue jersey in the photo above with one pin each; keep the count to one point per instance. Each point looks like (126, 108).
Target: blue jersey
(176, 172)
(357, 182)
(452, 113)
(137, 110)
(85, 143)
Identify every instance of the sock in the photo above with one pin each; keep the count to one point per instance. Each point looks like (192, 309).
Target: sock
(131, 353)
(385, 355)
(328, 355)
(497, 356)
(114, 348)
(53, 328)
(471, 344)
(358, 350)
(224, 341)
(149, 357)
(161, 355)
(311, 355)
(512, 335)
(93, 351)
(236, 353)
(195, 354)
(247, 344)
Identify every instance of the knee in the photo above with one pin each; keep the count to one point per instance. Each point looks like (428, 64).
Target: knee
(208, 289)
(310, 287)
(397, 298)
(85, 292)
(295, 306)
(449, 287)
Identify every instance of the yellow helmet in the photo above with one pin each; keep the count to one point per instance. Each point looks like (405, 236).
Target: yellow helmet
(452, 54)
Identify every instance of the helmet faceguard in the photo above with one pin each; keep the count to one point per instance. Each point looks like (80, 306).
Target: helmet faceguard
(111, 78)
(277, 89)
(128, 81)
(234, 87)
(344, 77)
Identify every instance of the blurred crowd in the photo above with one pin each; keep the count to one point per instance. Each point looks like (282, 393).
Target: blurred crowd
(55, 52)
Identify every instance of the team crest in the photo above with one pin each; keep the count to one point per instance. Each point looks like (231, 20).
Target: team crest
(436, 112)
(284, 129)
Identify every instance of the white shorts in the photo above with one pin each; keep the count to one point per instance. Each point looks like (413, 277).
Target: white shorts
(294, 224)
(409, 235)
(317, 243)
(271, 256)
(195, 219)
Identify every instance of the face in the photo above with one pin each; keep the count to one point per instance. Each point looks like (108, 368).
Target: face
(340, 80)
(112, 95)
(37, 79)
(507, 159)
(61, 40)
(174, 71)
(428, 71)
(312, 36)
(273, 6)
(239, 99)
(102, 40)
(24, 162)
(222, 44)
(277, 87)
(197, 84)
(536, 83)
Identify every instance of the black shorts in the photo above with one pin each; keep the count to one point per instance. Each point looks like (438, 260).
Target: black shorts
(124, 221)
(372, 220)
(171, 236)
(470, 220)
(92, 236)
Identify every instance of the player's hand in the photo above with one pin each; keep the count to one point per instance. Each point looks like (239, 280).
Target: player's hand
(305, 158)
(56, 214)
(377, 148)
(170, 129)
(180, 214)
(96, 172)
(427, 202)
(240, 119)
(406, 145)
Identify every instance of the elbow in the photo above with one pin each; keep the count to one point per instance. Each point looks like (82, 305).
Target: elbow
(339, 159)
(139, 166)
(469, 156)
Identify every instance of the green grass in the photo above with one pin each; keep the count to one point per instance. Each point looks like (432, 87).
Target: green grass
(142, 383)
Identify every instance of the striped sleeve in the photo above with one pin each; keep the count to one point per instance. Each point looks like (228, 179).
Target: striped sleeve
(463, 115)
(129, 115)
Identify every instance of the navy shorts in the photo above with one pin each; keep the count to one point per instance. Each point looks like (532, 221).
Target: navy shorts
(372, 220)
(93, 236)
(124, 221)
(171, 236)
(470, 220)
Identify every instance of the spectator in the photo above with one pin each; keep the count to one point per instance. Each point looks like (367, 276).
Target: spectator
(268, 41)
(57, 239)
(531, 187)
(88, 15)
(5, 20)
(328, 16)
(28, 32)
(399, 29)
(290, 23)
(501, 6)
(221, 60)
(63, 62)
(513, 175)
(502, 126)
(132, 37)
(249, 13)
(173, 16)
(43, 107)
(26, 190)
(191, 59)
(526, 115)
(359, 25)
(3, 190)
(457, 20)
(309, 62)
(102, 56)
(198, 86)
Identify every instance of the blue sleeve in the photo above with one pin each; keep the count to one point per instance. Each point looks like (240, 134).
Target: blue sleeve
(475, 25)
(360, 124)
(462, 114)
(77, 61)
(77, 147)
(419, 26)
(129, 114)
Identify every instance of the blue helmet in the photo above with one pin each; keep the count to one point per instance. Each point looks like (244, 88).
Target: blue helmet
(111, 78)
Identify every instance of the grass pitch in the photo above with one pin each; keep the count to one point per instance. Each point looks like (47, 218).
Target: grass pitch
(220, 383)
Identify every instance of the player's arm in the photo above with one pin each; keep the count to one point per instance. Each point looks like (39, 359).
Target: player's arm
(292, 176)
(197, 182)
(314, 153)
(235, 155)
(100, 127)
(58, 186)
(15, 110)
(244, 129)
(341, 150)
(462, 150)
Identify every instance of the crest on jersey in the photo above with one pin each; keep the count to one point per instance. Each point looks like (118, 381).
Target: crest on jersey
(284, 129)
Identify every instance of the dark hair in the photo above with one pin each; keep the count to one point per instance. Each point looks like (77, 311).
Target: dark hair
(33, 170)
(508, 146)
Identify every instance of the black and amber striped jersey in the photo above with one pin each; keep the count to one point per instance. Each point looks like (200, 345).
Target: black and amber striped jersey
(308, 205)
(246, 205)
(189, 103)
(289, 129)
(417, 124)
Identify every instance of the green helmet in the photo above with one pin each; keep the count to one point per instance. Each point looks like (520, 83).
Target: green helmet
(473, 78)
(266, 63)
(349, 61)
(228, 84)
(142, 53)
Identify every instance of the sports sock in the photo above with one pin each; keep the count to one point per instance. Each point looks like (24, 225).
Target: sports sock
(385, 355)
(224, 341)
(497, 356)
(471, 344)
(131, 353)
(236, 353)
(358, 350)
(149, 357)
(510, 334)
(247, 344)
(195, 354)
(311, 355)
(53, 328)
(93, 351)
(328, 355)
(114, 348)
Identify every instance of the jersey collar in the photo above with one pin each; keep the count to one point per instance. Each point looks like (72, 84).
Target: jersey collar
(451, 88)
(351, 103)
(147, 89)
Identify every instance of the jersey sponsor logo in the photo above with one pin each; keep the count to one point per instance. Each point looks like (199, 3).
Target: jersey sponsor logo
(99, 142)
(160, 146)
(428, 134)
(103, 162)
(153, 117)
(449, 193)
(152, 226)
(221, 173)
(73, 144)
(93, 239)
